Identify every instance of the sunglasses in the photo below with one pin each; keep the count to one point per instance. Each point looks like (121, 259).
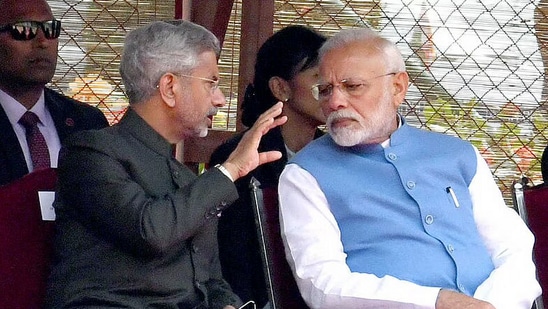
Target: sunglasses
(27, 30)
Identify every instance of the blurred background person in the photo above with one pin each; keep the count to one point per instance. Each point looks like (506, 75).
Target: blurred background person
(285, 70)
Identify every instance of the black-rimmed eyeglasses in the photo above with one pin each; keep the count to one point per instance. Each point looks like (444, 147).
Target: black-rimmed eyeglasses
(27, 30)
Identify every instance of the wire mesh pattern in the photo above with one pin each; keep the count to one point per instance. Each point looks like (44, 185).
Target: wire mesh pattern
(226, 117)
(90, 46)
(477, 68)
(92, 42)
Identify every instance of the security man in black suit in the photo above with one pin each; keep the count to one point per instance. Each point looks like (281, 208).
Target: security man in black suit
(28, 57)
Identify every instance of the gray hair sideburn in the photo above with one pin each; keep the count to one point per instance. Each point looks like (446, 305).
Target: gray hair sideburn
(160, 47)
(392, 54)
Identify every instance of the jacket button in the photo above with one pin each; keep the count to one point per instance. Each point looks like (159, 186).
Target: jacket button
(411, 184)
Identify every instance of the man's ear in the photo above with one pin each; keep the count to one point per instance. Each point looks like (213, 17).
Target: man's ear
(400, 86)
(167, 87)
(280, 88)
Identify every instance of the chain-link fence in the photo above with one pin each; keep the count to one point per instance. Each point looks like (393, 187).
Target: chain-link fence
(477, 67)
(90, 46)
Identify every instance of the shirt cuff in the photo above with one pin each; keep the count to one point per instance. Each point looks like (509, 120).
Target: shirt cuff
(224, 171)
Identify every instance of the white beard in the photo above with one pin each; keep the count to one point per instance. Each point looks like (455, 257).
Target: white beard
(202, 132)
(363, 130)
(349, 135)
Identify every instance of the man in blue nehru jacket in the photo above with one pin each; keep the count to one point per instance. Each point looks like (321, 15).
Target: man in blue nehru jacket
(379, 214)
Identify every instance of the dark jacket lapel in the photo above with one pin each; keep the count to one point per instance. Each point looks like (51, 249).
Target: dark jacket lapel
(12, 159)
(60, 113)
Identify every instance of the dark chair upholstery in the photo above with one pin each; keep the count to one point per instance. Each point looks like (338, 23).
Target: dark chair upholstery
(25, 240)
(283, 292)
(532, 205)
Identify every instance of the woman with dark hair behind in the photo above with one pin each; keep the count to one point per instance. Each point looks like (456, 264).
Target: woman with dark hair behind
(285, 70)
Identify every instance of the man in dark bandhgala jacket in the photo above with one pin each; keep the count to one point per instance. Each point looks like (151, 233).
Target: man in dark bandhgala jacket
(136, 228)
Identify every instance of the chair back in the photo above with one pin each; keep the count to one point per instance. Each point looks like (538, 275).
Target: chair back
(26, 241)
(283, 292)
(532, 206)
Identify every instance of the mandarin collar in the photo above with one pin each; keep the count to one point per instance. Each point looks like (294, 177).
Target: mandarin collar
(143, 132)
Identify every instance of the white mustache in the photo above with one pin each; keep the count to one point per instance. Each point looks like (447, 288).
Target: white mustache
(212, 112)
(336, 115)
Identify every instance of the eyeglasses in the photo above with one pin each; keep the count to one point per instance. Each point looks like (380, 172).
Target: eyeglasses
(214, 82)
(350, 86)
(27, 30)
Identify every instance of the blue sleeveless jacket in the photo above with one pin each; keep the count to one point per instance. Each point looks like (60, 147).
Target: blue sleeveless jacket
(404, 211)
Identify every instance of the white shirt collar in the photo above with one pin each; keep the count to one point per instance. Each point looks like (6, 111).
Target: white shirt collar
(386, 143)
(15, 110)
(290, 153)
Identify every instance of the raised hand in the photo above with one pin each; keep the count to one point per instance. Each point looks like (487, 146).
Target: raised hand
(246, 156)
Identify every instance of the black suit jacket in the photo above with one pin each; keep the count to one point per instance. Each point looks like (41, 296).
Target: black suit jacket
(239, 249)
(135, 227)
(68, 115)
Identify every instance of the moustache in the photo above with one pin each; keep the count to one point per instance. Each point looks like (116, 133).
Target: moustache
(342, 114)
(212, 112)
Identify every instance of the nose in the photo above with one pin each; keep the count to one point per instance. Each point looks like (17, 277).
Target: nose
(40, 37)
(41, 40)
(335, 101)
(218, 98)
